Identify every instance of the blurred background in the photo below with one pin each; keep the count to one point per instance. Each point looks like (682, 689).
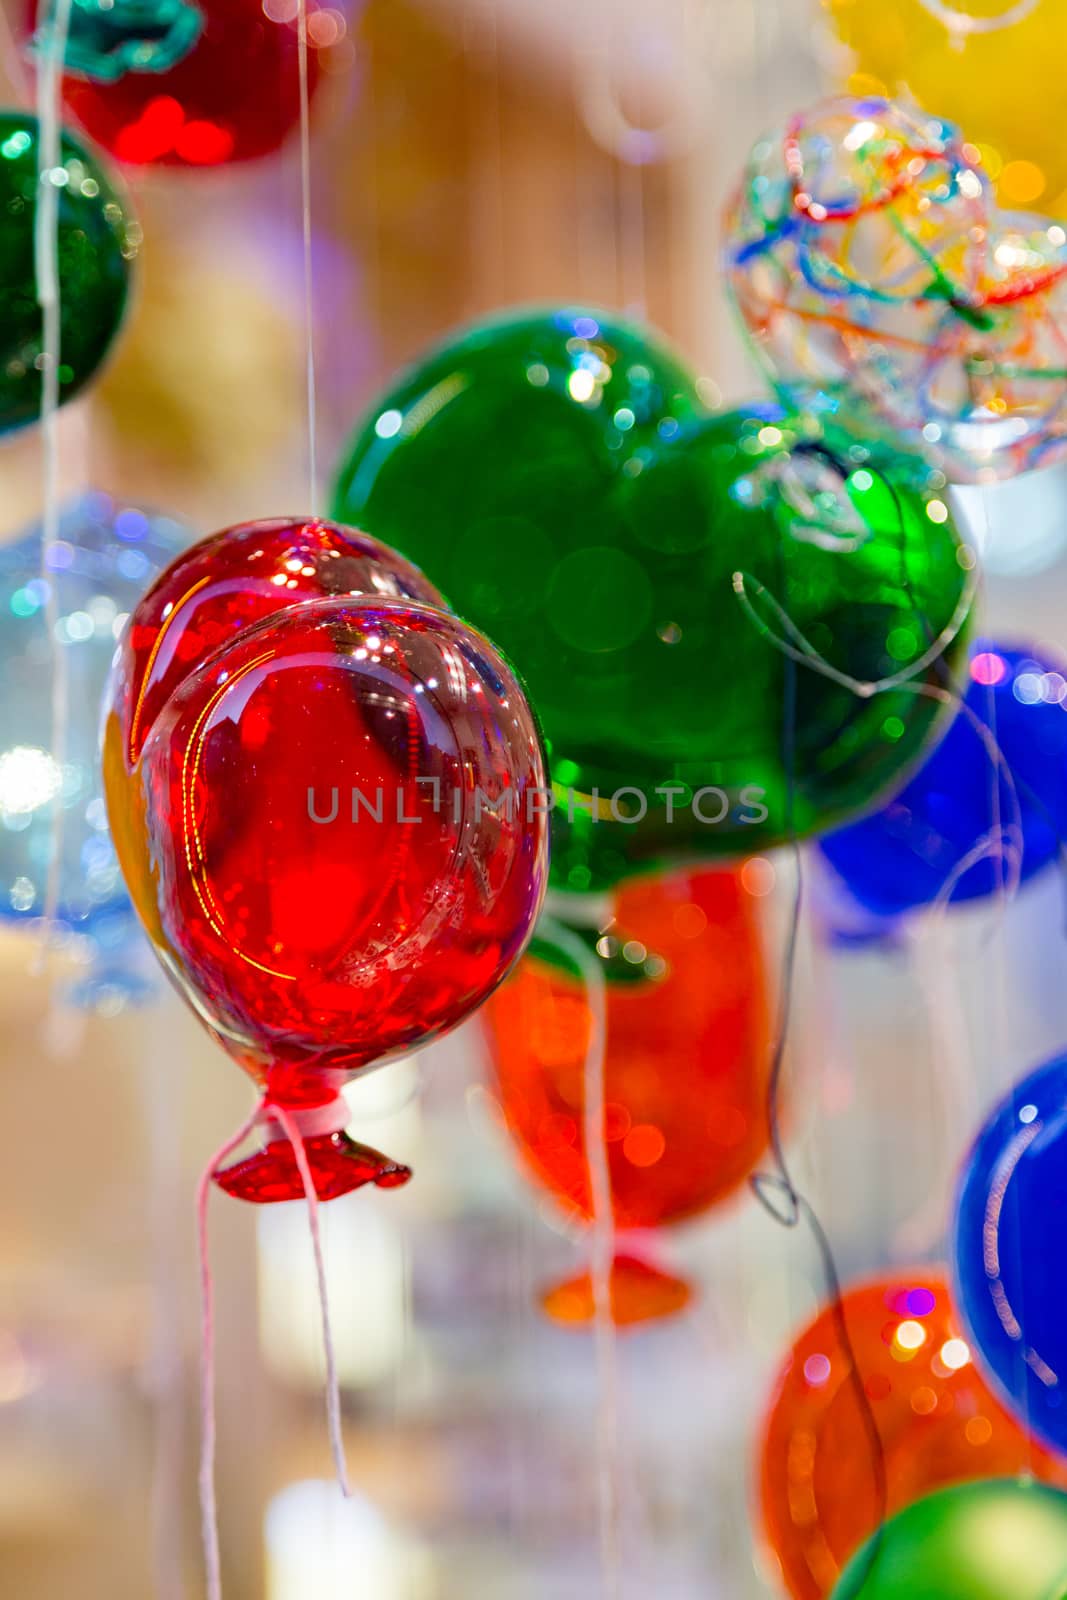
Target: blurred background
(466, 154)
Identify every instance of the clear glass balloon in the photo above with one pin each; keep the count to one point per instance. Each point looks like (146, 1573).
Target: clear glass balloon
(886, 291)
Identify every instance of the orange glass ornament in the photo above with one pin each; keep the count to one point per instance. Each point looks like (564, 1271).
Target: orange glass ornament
(685, 1072)
(938, 1422)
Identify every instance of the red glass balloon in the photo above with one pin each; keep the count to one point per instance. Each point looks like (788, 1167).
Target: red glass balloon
(686, 1070)
(234, 97)
(938, 1424)
(329, 818)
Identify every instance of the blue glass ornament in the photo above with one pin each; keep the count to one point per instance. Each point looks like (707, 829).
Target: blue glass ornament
(1008, 1249)
(904, 855)
(104, 559)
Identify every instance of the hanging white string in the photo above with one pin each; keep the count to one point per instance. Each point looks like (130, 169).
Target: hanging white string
(772, 1190)
(1004, 841)
(287, 1122)
(630, 167)
(164, 1367)
(309, 281)
(1004, 893)
(603, 1243)
(955, 1079)
(290, 1125)
(209, 1511)
(50, 176)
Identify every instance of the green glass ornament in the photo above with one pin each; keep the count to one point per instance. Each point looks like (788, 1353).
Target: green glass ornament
(560, 478)
(998, 1540)
(98, 239)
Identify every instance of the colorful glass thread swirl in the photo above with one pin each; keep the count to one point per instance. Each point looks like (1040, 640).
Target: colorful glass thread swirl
(882, 286)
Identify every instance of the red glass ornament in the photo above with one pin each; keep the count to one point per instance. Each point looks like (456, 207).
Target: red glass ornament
(234, 97)
(937, 1420)
(329, 817)
(685, 1071)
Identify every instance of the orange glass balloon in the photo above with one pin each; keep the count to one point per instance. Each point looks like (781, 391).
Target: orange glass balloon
(685, 1072)
(938, 1423)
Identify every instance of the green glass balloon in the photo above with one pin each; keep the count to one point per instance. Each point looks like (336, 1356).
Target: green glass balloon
(560, 479)
(97, 238)
(1004, 1539)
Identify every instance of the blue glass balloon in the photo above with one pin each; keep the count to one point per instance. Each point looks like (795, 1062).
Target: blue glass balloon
(902, 856)
(1009, 1246)
(104, 558)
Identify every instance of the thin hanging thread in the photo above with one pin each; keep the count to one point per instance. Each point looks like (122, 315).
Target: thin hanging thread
(165, 1369)
(309, 280)
(209, 1522)
(492, 112)
(603, 1245)
(1004, 894)
(46, 271)
(631, 177)
(291, 1128)
(773, 1188)
(959, 24)
(209, 1511)
(777, 1191)
(594, 69)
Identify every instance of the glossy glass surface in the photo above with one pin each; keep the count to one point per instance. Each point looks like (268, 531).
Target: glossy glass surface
(98, 239)
(1008, 1237)
(1005, 1540)
(884, 289)
(226, 583)
(937, 1420)
(904, 855)
(993, 66)
(108, 38)
(685, 1071)
(234, 96)
(332, 845)
(558, 475)
(105, 554)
